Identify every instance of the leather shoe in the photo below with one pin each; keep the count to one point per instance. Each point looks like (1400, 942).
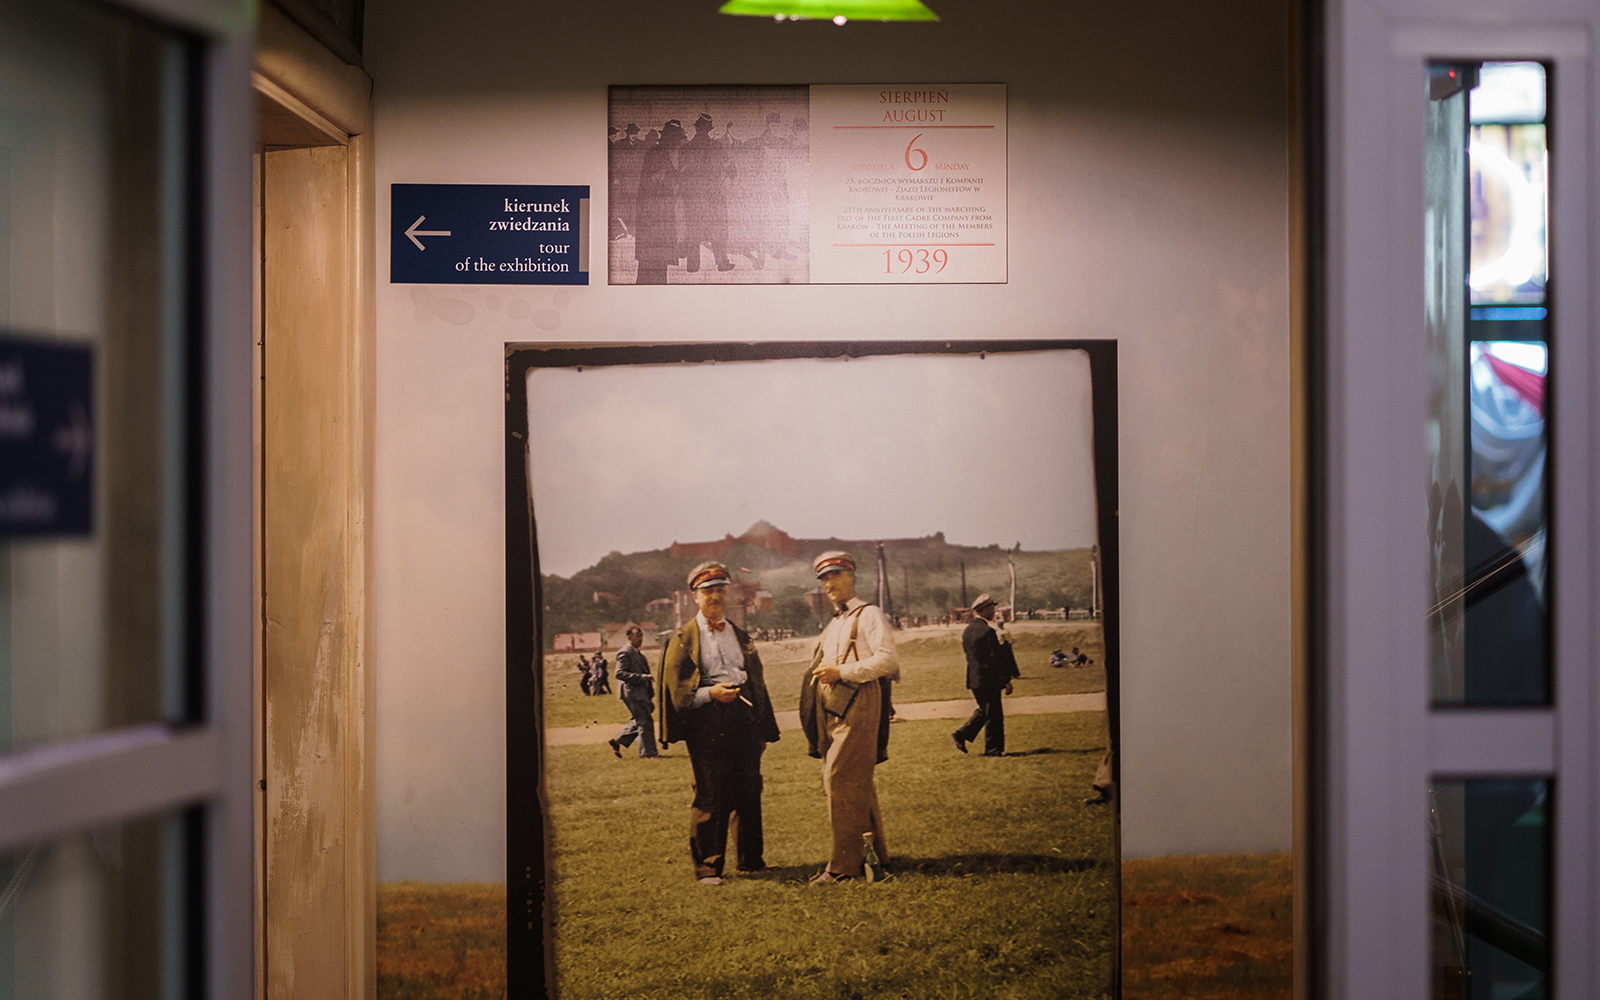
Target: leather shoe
(960, 743)
(711, 880)
(616, 748)
(829, 878)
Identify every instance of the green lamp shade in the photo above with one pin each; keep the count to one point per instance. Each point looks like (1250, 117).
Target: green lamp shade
(832, 10)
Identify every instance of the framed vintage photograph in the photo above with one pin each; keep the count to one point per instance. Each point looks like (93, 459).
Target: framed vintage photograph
(898, 183)
(730, 568)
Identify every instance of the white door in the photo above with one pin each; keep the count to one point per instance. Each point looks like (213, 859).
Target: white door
(1456, 725)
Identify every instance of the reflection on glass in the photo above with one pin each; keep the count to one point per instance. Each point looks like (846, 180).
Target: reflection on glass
(1506, 650)
(93, 127)
(1508, 214)
(1445, 313)
(1508, 184)
(1489, 861)
(1508, 447)
(98, 914)
(1488, 359)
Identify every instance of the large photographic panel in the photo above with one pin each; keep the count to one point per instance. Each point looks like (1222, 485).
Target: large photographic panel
(947, 470)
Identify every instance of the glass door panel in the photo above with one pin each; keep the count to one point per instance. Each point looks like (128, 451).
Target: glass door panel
(99, 914)
(1486, 265)
(94, 332)
(1490, 889)
(1445, 224)
(1488, 322)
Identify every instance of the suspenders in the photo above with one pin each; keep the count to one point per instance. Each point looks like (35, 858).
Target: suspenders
(830, 704)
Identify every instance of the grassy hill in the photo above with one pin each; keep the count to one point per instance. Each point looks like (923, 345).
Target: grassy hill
(927, 570)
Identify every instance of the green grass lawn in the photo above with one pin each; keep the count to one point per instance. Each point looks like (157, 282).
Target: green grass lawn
(441, 941)
(1200, 928)
(932, 668)
(1213, 927)
(1002, 888)
(1003, 882)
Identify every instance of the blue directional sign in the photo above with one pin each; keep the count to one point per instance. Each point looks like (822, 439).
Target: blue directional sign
(489, 234)
(46, 438)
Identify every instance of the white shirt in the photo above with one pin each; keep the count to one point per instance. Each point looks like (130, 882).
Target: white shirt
(721, 659)
(874, 655)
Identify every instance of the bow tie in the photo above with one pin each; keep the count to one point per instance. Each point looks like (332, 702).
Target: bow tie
(717, 626)
(841, 609)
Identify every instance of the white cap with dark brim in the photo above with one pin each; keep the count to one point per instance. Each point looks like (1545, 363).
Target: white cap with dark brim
(830, 562)
(708, 574)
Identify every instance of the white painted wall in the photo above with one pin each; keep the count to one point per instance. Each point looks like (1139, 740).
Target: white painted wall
(1149, 187)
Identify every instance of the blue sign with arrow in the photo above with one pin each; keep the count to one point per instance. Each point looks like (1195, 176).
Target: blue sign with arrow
(46, 438)
(489, 234)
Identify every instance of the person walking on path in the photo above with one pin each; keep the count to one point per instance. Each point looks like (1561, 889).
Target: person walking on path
(844, 710)
(714, 698)
(990, 667)
(638, 694)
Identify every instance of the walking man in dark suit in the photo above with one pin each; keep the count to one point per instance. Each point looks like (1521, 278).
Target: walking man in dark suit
(990, 667)
(714, 698)
(633, 676)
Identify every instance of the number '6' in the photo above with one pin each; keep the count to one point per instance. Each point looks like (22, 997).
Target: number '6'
(911, 148)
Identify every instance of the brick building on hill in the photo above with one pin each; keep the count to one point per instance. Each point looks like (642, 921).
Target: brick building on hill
(761, 533)
(776, 539)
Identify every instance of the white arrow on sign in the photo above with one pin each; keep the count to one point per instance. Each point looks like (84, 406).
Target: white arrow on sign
(75, 440)
(414, 232)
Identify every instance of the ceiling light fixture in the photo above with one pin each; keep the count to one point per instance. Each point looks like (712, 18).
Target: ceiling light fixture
(837, 11)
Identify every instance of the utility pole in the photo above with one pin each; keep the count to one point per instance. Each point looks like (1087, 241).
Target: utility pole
(1012, 562)
(883, 584)
(905, 588)
(1096, 609)
(963, 583)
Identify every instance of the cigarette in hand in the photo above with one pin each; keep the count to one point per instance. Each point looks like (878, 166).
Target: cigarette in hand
(745, 700)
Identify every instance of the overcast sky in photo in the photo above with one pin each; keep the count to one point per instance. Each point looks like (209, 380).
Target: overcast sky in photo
(992, 450)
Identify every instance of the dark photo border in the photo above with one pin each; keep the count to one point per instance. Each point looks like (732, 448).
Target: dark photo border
(529, 946)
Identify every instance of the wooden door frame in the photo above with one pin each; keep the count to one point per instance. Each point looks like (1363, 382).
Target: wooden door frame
(307, 96)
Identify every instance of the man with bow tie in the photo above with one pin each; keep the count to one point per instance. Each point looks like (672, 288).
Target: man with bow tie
(844, 710)
(715, 701)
